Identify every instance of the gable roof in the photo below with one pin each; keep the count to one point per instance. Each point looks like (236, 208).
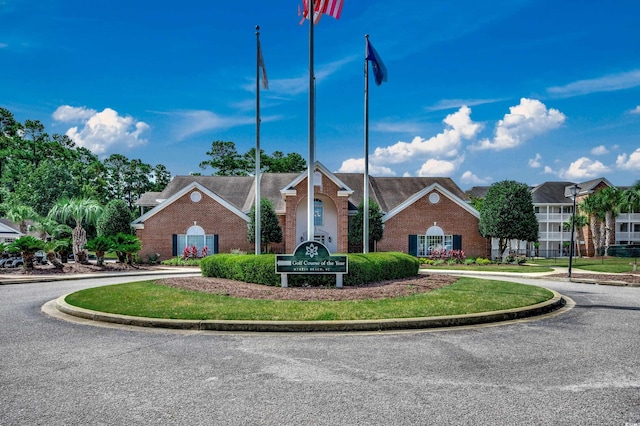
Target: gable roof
(391, 193)
(8, 229)
(551, 193)
(420, 194)
(139, 222)
(590, 185)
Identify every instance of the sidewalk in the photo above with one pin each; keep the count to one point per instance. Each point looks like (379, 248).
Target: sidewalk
(580, 276)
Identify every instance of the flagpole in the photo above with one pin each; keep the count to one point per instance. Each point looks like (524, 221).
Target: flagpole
(365, 216)
(258, 234)
(311, 165)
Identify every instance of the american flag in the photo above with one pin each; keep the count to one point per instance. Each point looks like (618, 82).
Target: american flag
(321, 7)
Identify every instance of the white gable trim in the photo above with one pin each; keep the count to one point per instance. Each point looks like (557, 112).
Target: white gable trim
(343, 191)
(139, 222)
(9, 231)
(418, 195)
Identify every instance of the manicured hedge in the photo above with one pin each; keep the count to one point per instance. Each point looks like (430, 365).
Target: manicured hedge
(363, 268)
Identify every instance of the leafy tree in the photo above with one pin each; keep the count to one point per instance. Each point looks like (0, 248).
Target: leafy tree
(376, 227)
(79, 210)
(507, 214)
(115, 218)
(290, 163)
(270, 230)
(27, 245)
(100, 245)
(225, 160)
(160, 178)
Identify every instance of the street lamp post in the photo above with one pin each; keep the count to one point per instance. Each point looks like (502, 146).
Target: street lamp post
(574, 194)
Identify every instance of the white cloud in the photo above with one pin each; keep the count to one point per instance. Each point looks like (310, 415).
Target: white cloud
(535, 162)
(459, 127)
(584, 168)
(457, 103)
(629, 162)
(397, 127)
(69, 114)
(599, 150)
(356, 165)
(608, 83)
(100, 131)
(469, 178)
(191, 122)
(530, 118)
(636, 110)
(433, 167)
(3, 45)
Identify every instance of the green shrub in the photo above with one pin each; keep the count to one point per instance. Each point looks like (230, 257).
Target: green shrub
(469, 261)
(482, 261)
(179, 261)
(363, 268)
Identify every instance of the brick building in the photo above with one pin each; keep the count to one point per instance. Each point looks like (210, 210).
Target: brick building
(419, 213)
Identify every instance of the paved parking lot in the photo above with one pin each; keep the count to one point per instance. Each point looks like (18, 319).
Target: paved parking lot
(579, 367)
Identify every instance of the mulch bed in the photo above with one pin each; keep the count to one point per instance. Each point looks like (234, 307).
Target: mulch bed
(379, 290)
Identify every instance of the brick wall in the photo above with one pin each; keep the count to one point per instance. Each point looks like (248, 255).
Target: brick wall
(177, 217)
(417, 218)
(328, 189)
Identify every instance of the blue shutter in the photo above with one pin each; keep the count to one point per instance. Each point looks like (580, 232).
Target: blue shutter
(174, 246)
(457, 242)
(413, 245)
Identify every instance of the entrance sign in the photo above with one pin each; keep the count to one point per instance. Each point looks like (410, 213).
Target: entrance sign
(311, 257)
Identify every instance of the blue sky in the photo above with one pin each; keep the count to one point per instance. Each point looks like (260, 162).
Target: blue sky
(479, 91)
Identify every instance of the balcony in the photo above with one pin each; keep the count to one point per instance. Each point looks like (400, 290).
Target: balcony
(554, 236)
(553, 217)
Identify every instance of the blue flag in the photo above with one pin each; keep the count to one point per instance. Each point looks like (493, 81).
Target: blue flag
(379, 70)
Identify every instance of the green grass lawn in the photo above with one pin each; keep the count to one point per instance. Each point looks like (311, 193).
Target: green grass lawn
(148, 299)
(491, 268)
(595, 264)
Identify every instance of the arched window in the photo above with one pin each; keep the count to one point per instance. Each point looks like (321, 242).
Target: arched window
(195, 236)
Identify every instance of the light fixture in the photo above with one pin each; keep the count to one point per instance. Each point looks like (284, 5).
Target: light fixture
(573, 191)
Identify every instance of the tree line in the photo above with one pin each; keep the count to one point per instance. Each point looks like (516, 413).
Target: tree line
(38, 169)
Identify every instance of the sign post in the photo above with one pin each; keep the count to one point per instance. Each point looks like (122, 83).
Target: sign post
(311, 257)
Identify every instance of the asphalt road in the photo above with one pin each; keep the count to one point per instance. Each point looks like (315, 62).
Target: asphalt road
(577, 368)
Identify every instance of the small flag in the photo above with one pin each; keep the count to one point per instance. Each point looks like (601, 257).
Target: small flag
(265, 80)
(379, 70)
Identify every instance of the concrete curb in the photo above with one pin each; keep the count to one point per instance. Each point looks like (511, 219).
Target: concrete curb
(548, 306)
(29, 279)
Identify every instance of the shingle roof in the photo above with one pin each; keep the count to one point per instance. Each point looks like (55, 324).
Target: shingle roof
(148, 199)
(478, 191)
(551, 193)
(388, 192)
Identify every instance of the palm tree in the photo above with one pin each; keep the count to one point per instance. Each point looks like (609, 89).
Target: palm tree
(125, 245)
(578, 221)
(79, 210)
(27, 246)
(591, 207)
(100, 245)
(630, 198)
(20, 214)
(610, 204)
(51, 248)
